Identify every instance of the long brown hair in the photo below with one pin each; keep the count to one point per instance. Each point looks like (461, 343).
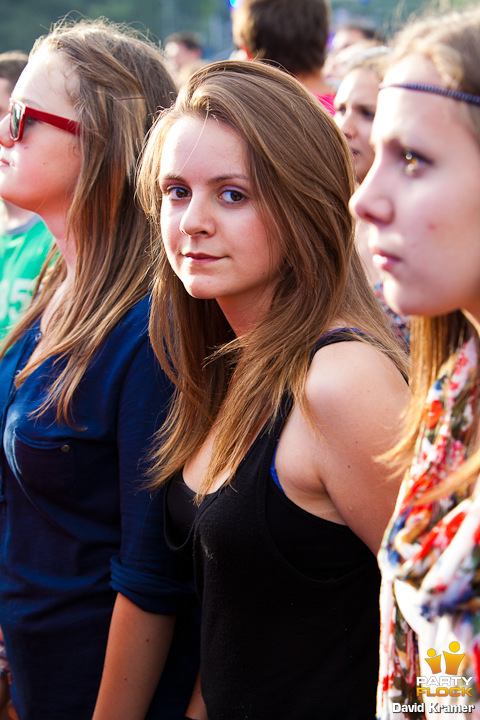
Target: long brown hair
(452, 42)
(302, 178)
(121, 83)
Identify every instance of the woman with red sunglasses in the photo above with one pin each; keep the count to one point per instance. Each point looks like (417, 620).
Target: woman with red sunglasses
(81, 394)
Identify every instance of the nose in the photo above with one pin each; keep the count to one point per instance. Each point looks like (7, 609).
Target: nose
(197, 218)
(371, 201)
(5, 138)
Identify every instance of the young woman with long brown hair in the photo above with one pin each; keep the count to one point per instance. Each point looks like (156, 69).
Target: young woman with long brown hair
(81, 392)
(287, 385)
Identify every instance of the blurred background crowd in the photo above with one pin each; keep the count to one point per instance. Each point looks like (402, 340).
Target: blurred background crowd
(22, 22)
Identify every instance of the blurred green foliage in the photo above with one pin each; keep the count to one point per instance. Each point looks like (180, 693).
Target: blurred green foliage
(22, 21)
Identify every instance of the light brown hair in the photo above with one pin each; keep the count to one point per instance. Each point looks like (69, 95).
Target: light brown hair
(301, 173)
(121, 83)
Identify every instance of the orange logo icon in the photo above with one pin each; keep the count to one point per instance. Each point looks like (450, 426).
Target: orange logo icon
(452, 659)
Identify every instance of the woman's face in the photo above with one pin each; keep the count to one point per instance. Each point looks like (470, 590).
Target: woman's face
(422, 197)
(355, 104)
(214, 237)
(40, 171)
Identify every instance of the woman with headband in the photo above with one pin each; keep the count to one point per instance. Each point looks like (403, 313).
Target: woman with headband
(422, 198)
(81, 394)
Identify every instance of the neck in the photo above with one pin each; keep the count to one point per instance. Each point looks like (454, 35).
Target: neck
(315, 82)
(243, 318)
(57, 224)
(474, 318)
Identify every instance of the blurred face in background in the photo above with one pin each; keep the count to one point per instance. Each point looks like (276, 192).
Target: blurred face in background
(355, 104)
(178, 55)
(5, 92)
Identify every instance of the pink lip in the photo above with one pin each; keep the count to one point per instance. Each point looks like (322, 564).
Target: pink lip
(383, 260)
(200, 257)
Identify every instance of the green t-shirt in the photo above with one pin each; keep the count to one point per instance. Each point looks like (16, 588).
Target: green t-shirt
(22, 253)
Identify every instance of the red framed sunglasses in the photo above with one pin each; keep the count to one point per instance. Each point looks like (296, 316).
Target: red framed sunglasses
(19, 111)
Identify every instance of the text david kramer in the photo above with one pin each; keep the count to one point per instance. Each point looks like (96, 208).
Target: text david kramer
(432, 708)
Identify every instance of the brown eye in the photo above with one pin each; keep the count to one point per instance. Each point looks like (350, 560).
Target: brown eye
(233, 196)
(176, 192)
(413, 162)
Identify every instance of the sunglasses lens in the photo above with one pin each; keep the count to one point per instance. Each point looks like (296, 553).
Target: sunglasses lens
(15, 117)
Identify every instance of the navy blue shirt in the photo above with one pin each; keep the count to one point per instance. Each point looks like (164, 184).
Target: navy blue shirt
(77, 524)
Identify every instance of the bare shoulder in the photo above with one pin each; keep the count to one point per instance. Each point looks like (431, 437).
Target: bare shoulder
(356, 397)
(354, 375)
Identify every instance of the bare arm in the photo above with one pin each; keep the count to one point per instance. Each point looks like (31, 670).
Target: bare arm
(328, 466)
(138, 645)
(358, 397)
(196, 708)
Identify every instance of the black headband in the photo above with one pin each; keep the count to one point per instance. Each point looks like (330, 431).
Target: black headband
(454, 94)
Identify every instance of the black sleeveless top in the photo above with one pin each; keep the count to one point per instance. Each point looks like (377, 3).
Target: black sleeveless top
(290, 620)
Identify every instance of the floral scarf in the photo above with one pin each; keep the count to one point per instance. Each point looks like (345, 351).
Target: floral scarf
(433, 547)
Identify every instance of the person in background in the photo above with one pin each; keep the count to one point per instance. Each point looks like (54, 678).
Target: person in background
(291, 35)
(184, 54)
(421, 197)
(81, 393)
(352, 33)
(287, 388)
(348, 41)
(24, 238)
(355, 104)
(11, 65)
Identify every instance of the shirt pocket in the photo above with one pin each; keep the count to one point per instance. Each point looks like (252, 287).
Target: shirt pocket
(44, 466)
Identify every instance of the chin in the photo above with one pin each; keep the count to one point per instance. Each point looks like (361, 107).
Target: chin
(394, 299)
(198, 293)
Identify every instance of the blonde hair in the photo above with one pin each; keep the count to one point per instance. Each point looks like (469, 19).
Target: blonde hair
(372, 59)
(452, 42)
(121, 82)
(302, 178)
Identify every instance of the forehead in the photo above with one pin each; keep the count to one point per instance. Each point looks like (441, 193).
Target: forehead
(359, 83)
(404, 112)
(212, 144)
(46, 79)
(344, 37)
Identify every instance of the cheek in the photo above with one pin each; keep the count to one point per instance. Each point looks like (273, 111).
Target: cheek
(367, 150)
(167, 245)
(167, 226)
(56, 173)
(168, 239)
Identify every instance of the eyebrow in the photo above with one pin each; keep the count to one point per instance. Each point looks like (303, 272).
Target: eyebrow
(26, 101)
(211, 181)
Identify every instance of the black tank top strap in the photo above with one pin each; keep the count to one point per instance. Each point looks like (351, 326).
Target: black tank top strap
(344, 334)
